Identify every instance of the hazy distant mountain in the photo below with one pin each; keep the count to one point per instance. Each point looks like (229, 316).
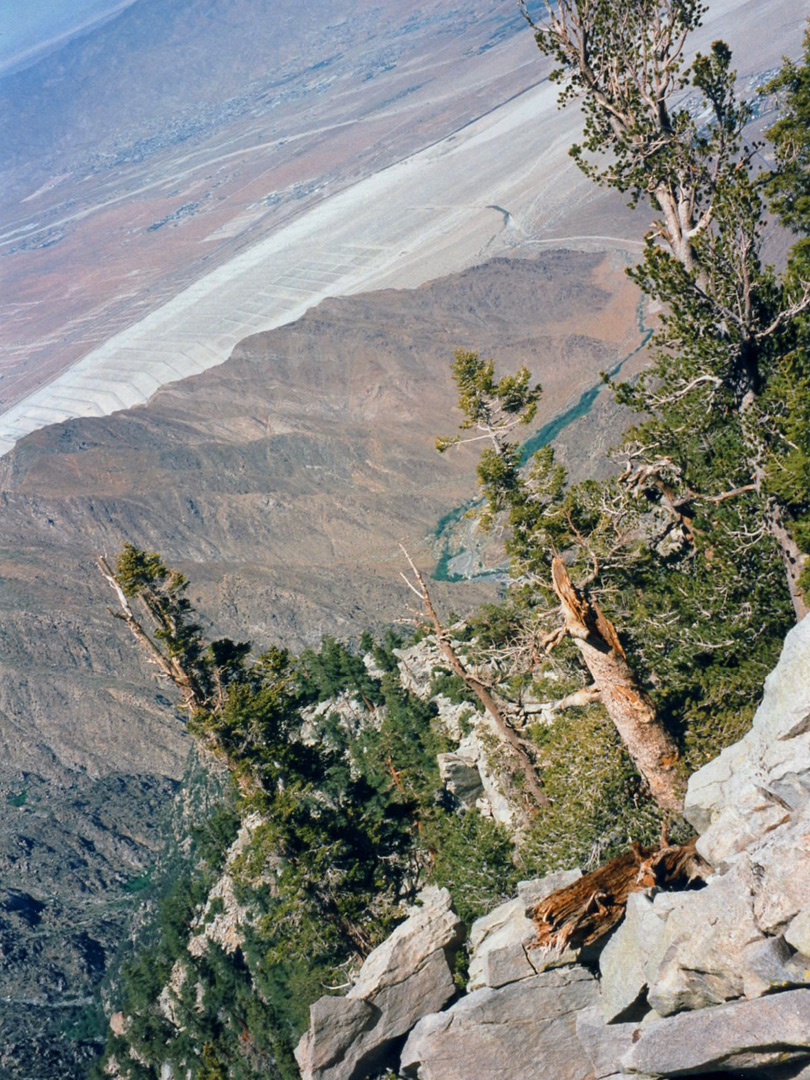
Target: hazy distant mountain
(31, 30)
(200, 62)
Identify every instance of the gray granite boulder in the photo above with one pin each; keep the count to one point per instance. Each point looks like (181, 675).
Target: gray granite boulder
(704, 949)
(605, 1044)
(797, 933)
(526, 1029)
(500, 941)
(459, 771)
(779, 872)
(748, 789)
(628, 960)
(728, 940)
(335, 1025)
(761, 1034)
(406, 977)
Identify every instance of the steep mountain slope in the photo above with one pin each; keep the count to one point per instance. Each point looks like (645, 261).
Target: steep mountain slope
(281, 482)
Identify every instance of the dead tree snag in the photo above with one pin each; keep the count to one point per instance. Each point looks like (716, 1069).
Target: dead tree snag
(649, 744)
(582, 913)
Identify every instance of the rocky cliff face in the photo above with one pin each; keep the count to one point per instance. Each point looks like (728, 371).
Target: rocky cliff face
(709, 982)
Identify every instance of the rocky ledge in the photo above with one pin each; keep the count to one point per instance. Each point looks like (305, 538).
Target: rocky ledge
(711, 982)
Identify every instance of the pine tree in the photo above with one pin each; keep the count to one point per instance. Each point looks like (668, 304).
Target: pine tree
(726, 356)
(683, 548)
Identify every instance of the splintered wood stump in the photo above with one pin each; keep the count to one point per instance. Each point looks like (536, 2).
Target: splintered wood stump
(582, 913)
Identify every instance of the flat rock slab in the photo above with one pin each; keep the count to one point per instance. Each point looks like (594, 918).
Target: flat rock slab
(604, 1043)
(767, 1032)
(403, 979)
(527, 1029)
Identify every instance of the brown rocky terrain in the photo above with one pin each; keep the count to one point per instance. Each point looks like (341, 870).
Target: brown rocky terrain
(281, 482)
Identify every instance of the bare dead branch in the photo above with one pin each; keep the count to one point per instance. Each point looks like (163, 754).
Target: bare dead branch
(726, 494)
(586, 696)
(504, 731)
(785, 316)
(551, 640)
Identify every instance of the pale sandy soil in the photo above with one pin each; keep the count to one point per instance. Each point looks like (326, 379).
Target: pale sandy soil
(501, 182)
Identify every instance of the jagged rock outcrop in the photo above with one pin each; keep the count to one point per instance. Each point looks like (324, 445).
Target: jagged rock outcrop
(754, 785)
(714, 980)
(220, 921)
(468, 773)
(405, 978)
(500, 941)
(222, 918)
(733, 939)
(742, 936)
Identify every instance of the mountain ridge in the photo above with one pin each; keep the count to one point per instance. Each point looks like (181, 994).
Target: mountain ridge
(281, 482)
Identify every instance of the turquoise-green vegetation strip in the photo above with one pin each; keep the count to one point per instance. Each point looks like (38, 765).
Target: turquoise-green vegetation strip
(444, 524)
(452, 517)
(442, 571)
(547, 433)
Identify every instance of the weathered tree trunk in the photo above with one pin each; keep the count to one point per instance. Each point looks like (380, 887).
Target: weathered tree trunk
(585, 911)
(794, 560)
(651, 747)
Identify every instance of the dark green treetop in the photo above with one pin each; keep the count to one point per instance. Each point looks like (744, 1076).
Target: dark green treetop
(727, 353)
